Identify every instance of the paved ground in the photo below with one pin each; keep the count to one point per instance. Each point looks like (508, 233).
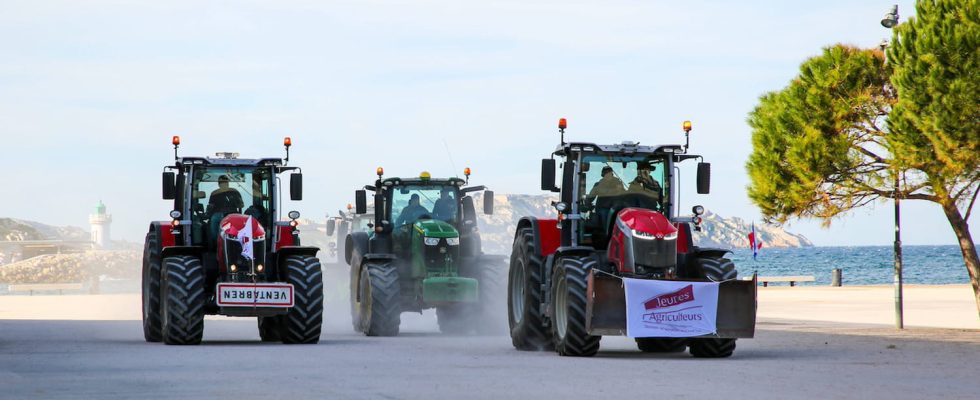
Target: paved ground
(108, 359)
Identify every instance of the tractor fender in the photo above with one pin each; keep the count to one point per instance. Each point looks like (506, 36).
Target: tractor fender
(164, 232)
(355, 247)
(547, 237)
(287, 251)
(710, 251)
(171, 251)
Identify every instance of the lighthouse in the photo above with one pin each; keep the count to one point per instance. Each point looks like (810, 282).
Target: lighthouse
(100, 221)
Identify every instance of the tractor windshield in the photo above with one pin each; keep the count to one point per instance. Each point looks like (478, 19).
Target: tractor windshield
(610, 183)
(219, 191)
(410, 203)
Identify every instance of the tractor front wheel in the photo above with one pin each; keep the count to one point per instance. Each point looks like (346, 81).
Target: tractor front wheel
(183, 300)
(377, 302)
(716, 269)
(152, 322)
(524, 296)
(302, 324)
(269, 329)
(568, 302)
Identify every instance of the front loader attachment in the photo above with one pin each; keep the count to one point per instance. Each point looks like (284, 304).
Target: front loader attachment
(606, 309)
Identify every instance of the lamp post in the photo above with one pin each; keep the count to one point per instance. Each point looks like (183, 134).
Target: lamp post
(889, 21)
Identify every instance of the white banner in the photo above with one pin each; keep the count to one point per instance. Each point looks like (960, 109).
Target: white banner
(670, 308)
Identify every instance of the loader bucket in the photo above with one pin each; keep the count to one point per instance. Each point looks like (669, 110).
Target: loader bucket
(606, 309)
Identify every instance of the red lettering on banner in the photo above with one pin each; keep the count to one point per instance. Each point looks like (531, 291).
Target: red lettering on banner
(682, 296)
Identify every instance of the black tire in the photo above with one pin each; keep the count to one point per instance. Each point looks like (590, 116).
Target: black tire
(377, 306)
(712, 348)
(661, 345)
(152, 320)
(568, 302)
(524, 296)
(183, 300)
(269, 329)
(715, 269)
(303, 322)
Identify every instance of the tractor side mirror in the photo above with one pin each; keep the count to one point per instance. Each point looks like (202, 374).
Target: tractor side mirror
(704, 178)
(360, 202)
(169, 187)
(296, 187)
(331, 226)
(488, 202)
(548, 175)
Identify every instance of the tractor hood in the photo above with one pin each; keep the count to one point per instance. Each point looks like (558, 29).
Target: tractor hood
(435, 228)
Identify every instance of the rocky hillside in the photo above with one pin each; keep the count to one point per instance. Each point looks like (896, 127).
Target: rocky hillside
(498, 229)
(15, 229)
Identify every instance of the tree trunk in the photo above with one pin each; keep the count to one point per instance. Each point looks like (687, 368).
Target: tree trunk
(967, 247)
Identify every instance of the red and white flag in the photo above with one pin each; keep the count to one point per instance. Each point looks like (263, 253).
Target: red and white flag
(754, 243)
(245, 238)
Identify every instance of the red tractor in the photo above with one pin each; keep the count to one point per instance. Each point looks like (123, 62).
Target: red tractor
(618, 221)
(225, 251)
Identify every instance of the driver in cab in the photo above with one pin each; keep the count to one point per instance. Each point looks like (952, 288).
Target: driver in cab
(645, 184)
(225, 199)
(411, 212)
(609, 185)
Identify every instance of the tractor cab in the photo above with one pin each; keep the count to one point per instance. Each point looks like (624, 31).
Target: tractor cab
(424, 207)
(225, 251)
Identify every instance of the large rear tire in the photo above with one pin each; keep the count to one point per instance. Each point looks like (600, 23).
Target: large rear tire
(568, 302)
(152, 320)
(661, 345)
(302, 324)
(716, 269)
(524, 296)
(378, 305)
(183, 300)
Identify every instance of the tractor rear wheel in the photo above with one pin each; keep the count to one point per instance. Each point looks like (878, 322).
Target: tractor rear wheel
(524, 296)
(377, 303)
(269, 329)
(183, 300)
(301, 325)
(715, 269)
(661, 345)
(568, 301)
(152, 322)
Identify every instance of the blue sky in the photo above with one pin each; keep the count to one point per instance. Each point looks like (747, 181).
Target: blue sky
(91, 92)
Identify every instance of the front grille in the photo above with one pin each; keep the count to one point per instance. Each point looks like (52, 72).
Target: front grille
(654, 258)
(233, 255)
(436, 260)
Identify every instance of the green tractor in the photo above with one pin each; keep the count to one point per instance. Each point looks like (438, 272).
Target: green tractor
(422, 251)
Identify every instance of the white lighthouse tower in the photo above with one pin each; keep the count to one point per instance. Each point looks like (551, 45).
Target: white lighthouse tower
(100, 221)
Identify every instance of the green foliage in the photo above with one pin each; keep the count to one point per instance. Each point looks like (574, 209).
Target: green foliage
(936, 121)
(818, 147)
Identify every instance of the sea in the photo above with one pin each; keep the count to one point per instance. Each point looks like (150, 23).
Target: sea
(860, 265)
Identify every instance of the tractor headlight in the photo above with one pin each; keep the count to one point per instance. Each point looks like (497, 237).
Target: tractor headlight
(175, 214)
(431, 241)
(293, 214)
(453, 241)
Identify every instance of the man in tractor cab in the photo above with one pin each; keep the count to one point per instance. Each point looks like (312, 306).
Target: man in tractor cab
(645, 184)
(445, 207)
(608, 185)
(411, 212)
(223, 201)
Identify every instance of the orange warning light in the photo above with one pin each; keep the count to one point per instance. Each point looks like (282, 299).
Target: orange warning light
(562, 123)
(175, 140)
(287, 141)
(687, 126)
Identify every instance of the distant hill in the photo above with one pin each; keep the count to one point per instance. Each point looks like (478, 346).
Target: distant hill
(16, 229)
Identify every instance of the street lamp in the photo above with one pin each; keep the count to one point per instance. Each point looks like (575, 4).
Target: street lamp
(889, 21)
(891, 18)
